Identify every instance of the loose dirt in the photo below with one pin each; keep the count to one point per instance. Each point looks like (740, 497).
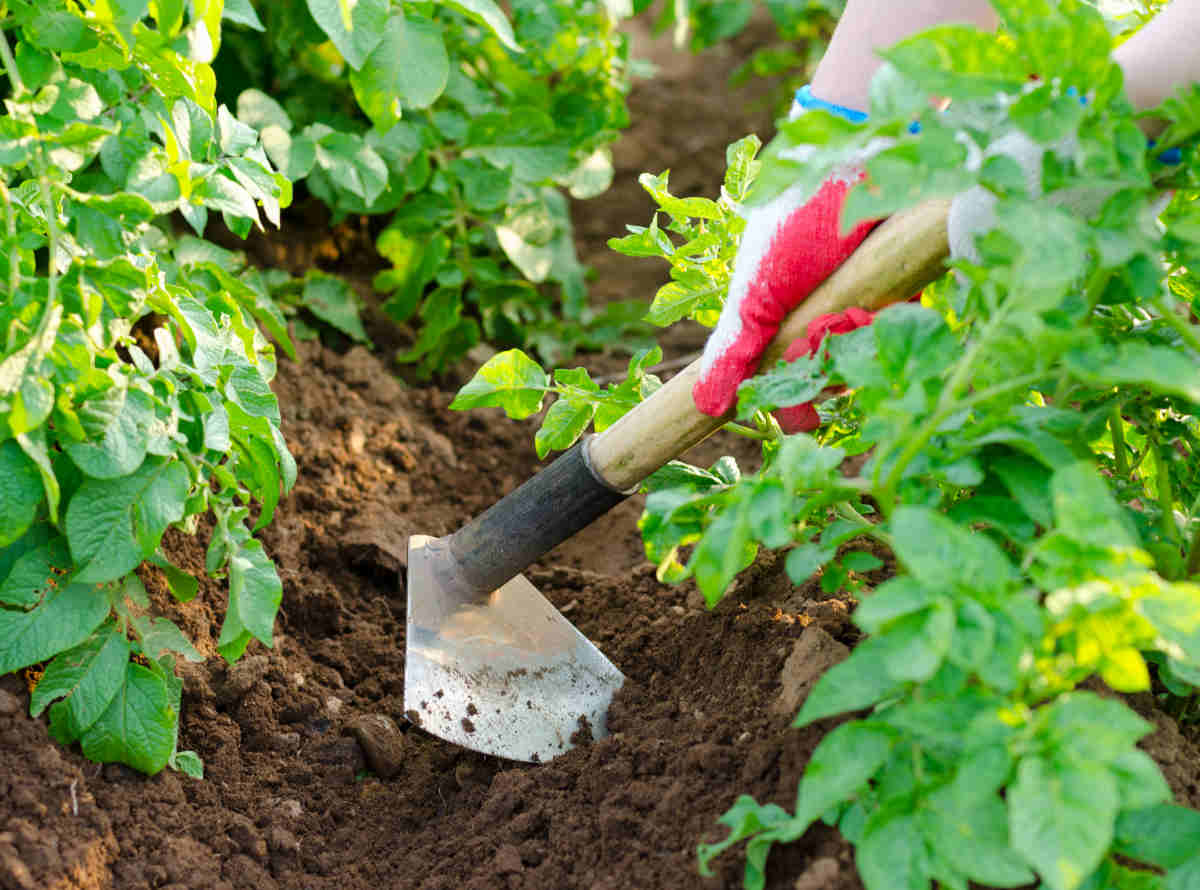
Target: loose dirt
(314, 777)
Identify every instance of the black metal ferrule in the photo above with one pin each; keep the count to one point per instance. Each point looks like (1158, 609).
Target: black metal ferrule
(561, 500)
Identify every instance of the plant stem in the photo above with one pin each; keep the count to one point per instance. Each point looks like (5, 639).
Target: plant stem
(746, 432)
(1192, 566)
(930, 428)
(1116, 427)
(1166, 497)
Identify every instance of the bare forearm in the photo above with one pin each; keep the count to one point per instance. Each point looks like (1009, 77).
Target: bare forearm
(1163, 56)
(866, 26)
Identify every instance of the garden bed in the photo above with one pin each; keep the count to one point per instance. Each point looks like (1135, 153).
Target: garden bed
(314, 779)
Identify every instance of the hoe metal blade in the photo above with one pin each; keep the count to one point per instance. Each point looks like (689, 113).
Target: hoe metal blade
(501, 672)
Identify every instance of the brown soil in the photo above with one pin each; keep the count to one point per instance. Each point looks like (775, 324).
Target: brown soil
(297, 740)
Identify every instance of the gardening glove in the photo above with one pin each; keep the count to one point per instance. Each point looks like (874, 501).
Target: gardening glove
(790, 246)
(973, 212)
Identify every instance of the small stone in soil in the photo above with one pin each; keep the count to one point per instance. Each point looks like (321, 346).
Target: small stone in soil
(468, 725)
(381, 741)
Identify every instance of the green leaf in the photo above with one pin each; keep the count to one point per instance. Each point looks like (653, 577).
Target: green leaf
(65, 618)
(1086, 510)
(915, 645)
(841, 766)
(123, 446)
(1161, 369)
(188, 763)
(788, 384)
(969, 830)
(355, 28)
(861, 680)
(35, 573)
(745, 818)
(87, 677)
(1061, 816)
(163, 635)
(20, 492)
(563, 425)
(255, 591)
(892, 854)
(182, 585)
(409, 68)
(1140, 782)
(959, 62)
(258, 110)
(1166, 835)
(138, 727)
(510, 380)
(334, 302)
(945, 556)
(113, 524)
(240, 12)
(487, 13)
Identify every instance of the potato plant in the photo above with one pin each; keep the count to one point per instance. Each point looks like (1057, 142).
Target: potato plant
(1030, 430)
(462, 128)
(134, 375)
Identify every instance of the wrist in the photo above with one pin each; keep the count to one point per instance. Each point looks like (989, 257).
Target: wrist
(806, 101)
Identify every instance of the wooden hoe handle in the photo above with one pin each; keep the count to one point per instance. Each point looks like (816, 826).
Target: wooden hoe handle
(901, 256)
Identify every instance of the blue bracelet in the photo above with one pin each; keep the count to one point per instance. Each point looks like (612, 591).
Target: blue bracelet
(806, 101)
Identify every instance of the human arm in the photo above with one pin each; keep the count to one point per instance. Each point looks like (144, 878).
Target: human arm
(1161, 57)
(844, 74)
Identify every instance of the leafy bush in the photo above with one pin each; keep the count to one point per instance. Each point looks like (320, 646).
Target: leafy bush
(464, 129)
(134, 378)
(1031, 432)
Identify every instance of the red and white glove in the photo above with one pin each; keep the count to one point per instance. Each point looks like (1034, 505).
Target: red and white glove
(790, 246)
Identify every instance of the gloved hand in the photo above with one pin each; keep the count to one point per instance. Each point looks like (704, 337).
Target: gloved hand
(790, 246)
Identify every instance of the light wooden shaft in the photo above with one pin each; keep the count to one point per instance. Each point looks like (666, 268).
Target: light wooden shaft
(901, 256)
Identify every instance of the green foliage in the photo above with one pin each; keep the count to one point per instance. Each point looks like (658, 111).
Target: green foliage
(134, 378)
(464, 129)
(1031, 430)
(710, 232)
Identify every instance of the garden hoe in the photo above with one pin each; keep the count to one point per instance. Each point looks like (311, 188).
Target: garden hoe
(490, 664)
